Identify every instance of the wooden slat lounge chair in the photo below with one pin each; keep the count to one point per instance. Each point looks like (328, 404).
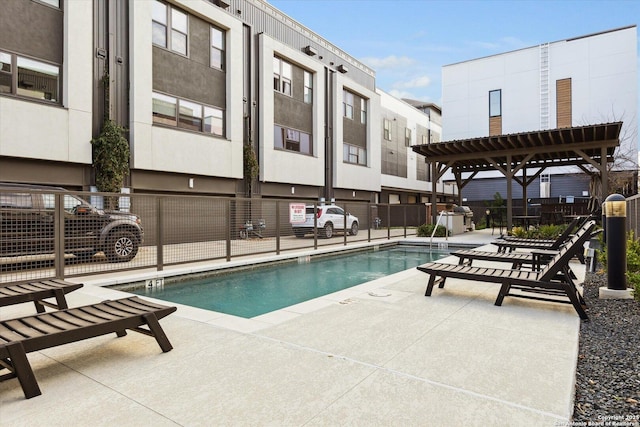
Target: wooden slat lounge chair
(16, 293)
(577, 222)
(24, 335)
(520, 243)
(552, 280)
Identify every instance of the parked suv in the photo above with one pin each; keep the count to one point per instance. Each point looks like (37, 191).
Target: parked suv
(330, 218)
(27, 225)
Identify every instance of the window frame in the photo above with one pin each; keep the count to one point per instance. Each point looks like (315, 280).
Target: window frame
(14, 74)
(492, 106)
(171, 29)
(354, 154)
(386, 129)
(407, 137)
(363, 111)
(282, 81)
(180, 121)
(220, 49)
(292, 140)
(347, 104)
(307, 95)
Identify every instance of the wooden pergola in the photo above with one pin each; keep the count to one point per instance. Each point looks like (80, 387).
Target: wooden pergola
(509, 154)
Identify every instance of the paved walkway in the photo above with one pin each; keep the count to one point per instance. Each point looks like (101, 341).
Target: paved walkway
(380, 353)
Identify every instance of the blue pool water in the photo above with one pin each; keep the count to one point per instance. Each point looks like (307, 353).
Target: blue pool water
(250, 293)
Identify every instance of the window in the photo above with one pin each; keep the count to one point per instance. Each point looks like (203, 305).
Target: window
(363, 110)
(347, 102)
(425, 139)
(164, 109)
(29, 78)
(407, 137)
(165, 17)
(184, 114)
(217, 48)
(386, 124)
(159, 23)
(292, 140)
(282, 74)
(495, 103)
(213, 121)
(190, 116)
(308, 87)
(354, 154)
(54, 3)
(5, 73)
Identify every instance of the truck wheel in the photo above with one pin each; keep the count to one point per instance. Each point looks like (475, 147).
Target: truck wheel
(122, 246)
(327, 232)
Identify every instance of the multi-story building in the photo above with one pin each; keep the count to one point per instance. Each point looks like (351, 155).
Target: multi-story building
(405, 173)
(194, 82)
(580, 81)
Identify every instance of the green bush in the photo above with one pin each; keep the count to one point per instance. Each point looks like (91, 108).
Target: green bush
(425, 230)
(633, 264)
(550, 231)
(519, 232)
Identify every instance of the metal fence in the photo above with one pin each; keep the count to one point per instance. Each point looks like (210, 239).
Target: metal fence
(46, 234)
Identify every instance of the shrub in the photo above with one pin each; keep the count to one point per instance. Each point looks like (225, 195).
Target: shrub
(425, 230)
(550, 231)
(519, 232)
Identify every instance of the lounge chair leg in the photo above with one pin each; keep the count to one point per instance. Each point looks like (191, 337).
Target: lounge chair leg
(39, 306)
(432, 278)
(504, 291)
(573, 297)
(121, 334)
(61, 300)
(158, 333)
(22, 370)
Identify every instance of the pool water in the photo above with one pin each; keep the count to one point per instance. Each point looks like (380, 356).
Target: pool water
(250, 293)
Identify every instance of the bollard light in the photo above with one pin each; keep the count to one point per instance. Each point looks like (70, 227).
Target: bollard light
(615, 207)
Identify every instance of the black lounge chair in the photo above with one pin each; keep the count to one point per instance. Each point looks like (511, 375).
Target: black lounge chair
(33, 333)
(554, 245)
(554, 279)
(535, 258)
(577, 222)
(16, 293)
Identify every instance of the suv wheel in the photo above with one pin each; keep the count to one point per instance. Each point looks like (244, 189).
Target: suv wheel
(299, 233)
(328, 230)
(122, 246)
(354, 228)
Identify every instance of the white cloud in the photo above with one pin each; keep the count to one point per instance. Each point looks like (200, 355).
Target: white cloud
(422, 81)
(401, 94)
(389, 62)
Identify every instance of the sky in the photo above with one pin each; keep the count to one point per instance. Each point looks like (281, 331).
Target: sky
(407, 42)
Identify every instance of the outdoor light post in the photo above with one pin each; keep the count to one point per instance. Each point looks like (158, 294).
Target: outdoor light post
(616, 213)
(488, 212)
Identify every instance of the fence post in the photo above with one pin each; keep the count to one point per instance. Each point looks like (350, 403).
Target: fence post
(160, 233)
(404, 213)
(369, 222)
(59, 235)
(277, 227)
(388, 221)
(344, 221)
(227, 216)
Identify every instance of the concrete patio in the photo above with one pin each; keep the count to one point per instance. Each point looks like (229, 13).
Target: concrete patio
(380, 353)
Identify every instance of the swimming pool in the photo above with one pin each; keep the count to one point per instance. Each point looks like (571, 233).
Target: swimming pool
(257, 291)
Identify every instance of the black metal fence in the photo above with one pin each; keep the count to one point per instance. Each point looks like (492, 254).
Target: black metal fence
(45, 234)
